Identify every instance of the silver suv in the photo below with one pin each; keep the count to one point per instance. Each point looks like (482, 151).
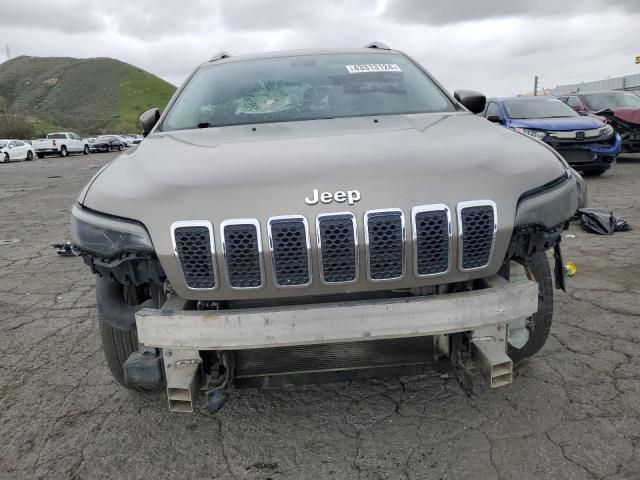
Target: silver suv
(315, 215)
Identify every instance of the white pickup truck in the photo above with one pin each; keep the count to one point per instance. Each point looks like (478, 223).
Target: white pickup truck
(60, 143)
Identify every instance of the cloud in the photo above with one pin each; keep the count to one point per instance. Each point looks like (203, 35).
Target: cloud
(71, 16)
(493, 46)
(439, 13)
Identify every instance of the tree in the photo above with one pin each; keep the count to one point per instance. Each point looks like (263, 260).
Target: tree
(15, 127)
(4, 108)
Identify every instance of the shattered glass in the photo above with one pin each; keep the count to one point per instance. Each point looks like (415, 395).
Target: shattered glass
(306, 87)
(272, 97)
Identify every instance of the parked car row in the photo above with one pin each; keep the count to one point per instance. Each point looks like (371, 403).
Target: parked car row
(588, 129)
(109, 143)
(63, 144)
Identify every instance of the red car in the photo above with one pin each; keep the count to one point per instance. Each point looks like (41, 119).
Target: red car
(618, 108)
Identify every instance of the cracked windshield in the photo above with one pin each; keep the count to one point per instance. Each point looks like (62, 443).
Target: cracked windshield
(305, 88)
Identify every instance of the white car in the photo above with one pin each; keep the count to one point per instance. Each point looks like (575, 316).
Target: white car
(60, 143)
(15, 150)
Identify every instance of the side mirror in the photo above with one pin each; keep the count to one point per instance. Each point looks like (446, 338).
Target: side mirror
(148, 120)
(472, 100)
(494, 118)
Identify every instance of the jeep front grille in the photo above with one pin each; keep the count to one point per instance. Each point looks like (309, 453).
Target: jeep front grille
(242, 252)
(431, 239)
(477, 224)
(337, 247)
(193, 244)
(290, 251)
(384, 236)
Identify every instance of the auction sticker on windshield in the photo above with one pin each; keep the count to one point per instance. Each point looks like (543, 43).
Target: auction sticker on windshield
(373, 67)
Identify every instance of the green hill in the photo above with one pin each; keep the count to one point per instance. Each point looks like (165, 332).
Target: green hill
(92, 95)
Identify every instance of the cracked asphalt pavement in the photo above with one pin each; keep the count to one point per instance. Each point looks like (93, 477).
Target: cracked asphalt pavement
(572, 412)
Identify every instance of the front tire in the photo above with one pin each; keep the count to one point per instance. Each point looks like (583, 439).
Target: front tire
(537, 269)
(120, 147)
(29, 156)
(6, 158)
(86, 150)
(117, 346)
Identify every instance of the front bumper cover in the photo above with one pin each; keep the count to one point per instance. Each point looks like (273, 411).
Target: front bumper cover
(325, 323)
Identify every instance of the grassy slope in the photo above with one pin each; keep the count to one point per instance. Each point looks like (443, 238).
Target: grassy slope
(140, 91)
(89, 96)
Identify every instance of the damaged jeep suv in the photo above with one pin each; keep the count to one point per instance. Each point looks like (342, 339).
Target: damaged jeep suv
(312, 216)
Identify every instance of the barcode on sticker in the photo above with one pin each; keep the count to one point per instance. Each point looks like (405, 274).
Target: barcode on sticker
(373, 67)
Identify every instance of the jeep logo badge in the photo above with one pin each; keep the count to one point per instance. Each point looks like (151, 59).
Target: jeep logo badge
(350, 196)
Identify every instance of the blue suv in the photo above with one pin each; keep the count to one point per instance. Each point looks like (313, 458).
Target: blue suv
(586, 143)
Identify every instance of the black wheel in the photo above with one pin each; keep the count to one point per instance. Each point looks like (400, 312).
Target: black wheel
(40, 155)
(29, 156)
(63, 151)
(117, 346)
(120, 147)
(6, 158)
(86, 150)
(536, 267)
(594, 172)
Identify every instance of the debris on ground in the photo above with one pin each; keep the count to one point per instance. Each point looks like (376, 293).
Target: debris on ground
(569, 269)
(64, 249)
(601, 221)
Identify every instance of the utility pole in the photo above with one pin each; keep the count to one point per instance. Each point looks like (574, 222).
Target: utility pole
(6, 47)
(535, 86)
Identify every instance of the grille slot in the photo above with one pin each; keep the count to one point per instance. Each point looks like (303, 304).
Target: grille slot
(431, 236)
(337, 244)
(384, 230)
(477, 230)
(289, 241)
(193, 244)
(243, 259)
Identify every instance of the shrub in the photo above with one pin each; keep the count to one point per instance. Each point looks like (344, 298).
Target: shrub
(15, 127)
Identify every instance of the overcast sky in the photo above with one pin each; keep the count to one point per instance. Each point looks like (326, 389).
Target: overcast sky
(495, 46)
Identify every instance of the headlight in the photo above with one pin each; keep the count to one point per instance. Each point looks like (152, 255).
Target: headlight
(107, 236)
(551, 206)
(606, 131)
(532, 133)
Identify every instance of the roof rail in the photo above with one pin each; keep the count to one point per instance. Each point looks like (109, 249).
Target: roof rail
(219, 56)
(380, 45)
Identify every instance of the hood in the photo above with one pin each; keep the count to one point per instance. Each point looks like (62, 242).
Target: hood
(262, 171)
(558, 124)
(629, 115)
(190, 173)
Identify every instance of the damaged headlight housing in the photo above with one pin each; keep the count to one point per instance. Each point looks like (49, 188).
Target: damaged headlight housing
(549, 205)
(107, 236)
(532, 133)
(606, 131)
